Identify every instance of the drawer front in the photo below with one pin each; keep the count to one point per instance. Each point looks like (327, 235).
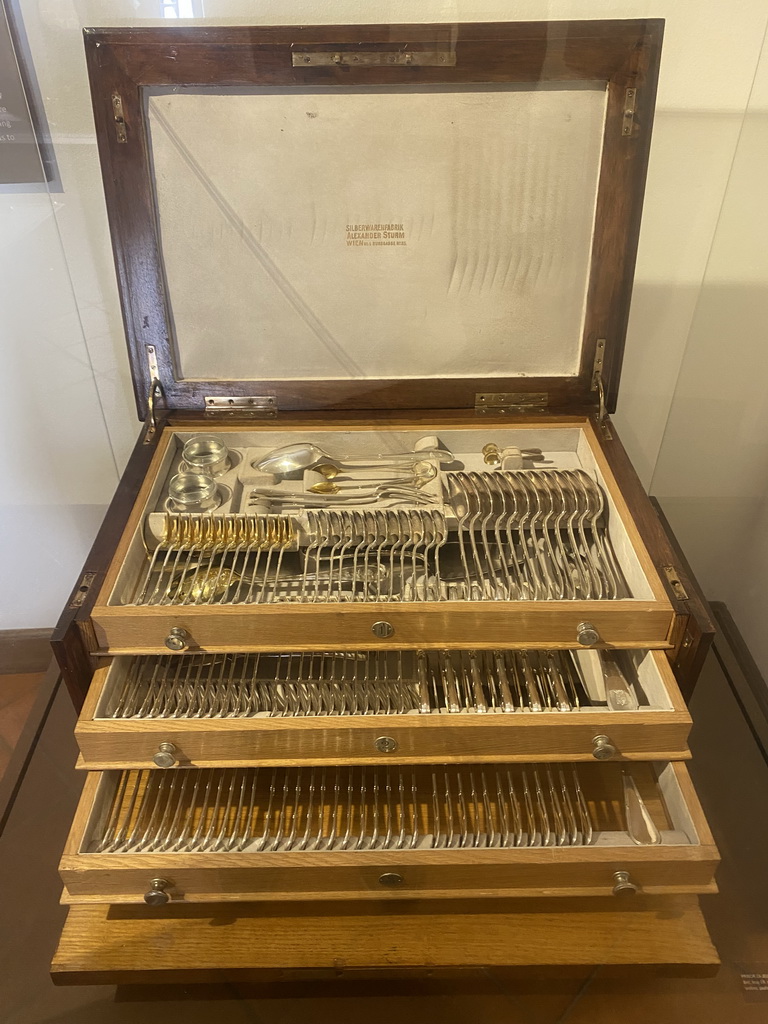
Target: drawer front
(398, 833)
(521, 624)
(405, 708)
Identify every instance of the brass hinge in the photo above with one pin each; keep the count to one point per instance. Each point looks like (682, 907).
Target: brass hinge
(597, 366)
(511, 401)
(155, 391)
(117, 111)
(376, 58)
(628, 120)
(597, 385)
(674, 581)
(249, 406)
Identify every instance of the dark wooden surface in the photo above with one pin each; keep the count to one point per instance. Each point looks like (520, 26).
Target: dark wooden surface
(615, 54)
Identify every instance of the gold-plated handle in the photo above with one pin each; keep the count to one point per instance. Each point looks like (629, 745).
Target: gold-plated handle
(157, 895)
(178, 639)
(390, 879)
(166, 756)
(623, 884)
(586, 634)
(602, 748)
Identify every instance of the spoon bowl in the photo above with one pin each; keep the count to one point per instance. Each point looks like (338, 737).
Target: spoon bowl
(295, 458)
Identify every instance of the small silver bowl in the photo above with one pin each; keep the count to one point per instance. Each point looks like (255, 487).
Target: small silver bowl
(193, 492)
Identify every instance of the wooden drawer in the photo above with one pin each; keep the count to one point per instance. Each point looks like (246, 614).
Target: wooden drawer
(531, 602)
(404, 707)
(374, 833)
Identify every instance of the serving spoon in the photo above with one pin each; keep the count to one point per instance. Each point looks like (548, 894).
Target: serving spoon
(294, 458)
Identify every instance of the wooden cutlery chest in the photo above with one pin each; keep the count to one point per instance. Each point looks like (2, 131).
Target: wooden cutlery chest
(381, 625)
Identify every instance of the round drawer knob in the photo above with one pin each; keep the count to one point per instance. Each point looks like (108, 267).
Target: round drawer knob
(586, 634)
(390, 879)
(382, 629)
(386, 744)
(602, 748)
(623, 884)
(165, 756)
(157, 895)
(177, 639)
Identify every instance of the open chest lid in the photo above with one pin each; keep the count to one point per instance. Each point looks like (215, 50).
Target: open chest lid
(377, 216)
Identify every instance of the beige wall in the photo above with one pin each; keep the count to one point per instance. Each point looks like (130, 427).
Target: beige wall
(64, 340)
(712, 470)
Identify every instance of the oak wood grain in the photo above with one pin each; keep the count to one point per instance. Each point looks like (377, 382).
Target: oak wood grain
(640, 736)
(102, 944)
(449, 625)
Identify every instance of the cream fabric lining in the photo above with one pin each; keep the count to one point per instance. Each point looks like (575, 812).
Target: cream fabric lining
(377, 233)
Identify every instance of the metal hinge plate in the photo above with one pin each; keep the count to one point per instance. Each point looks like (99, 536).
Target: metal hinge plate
(598, 385)
(597, 368)
(117, 113)
(83, 587)
(628, 120)
(674, 581)
(379, 58)
(250, 406)
(511, 401)
(155, 392)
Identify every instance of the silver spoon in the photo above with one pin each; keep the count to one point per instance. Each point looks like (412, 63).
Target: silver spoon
(294, 458)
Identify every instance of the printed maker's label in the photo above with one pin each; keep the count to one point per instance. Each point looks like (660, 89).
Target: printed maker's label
(375, 234)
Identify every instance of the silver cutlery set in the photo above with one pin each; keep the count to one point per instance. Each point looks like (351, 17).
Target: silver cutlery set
(491, 534)
(360, 683)
(509, 535)
(225, 810)
(335, 809)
